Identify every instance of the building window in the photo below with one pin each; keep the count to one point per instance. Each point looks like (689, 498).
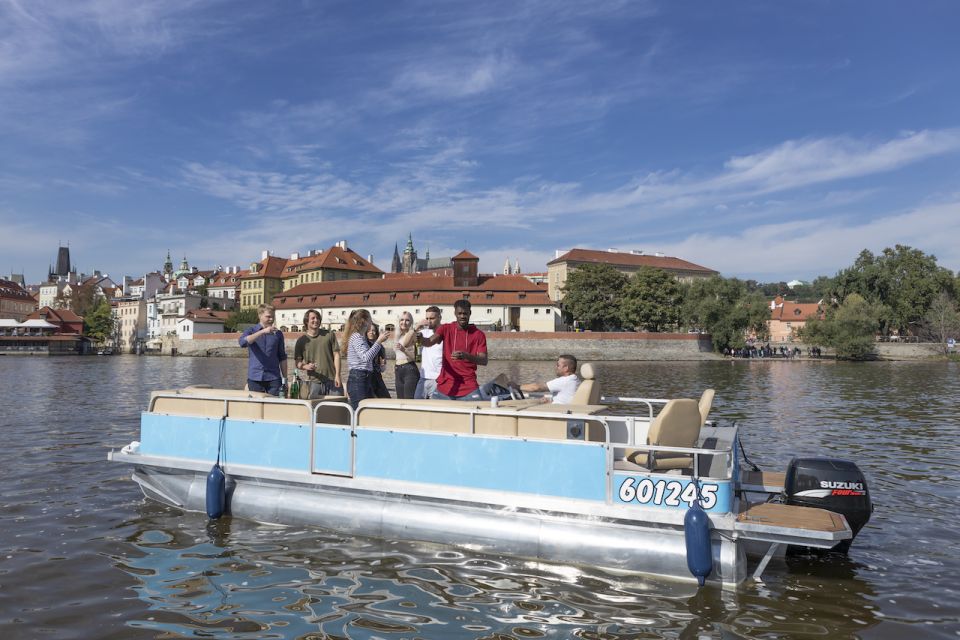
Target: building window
(536, 311)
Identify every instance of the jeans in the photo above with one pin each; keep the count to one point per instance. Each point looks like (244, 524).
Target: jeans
(266, 386)
(407, 376)
(321, 388)
(359, 386)
(426, 389)
(469, 397)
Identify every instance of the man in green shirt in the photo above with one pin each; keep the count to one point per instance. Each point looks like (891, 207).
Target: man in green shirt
(317, 358)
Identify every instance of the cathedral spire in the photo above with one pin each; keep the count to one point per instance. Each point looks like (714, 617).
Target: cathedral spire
(396, 266)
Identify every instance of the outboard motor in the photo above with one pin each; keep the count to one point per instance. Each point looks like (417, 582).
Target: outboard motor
(831, 484)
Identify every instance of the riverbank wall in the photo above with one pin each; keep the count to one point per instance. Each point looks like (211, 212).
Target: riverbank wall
(508, 346)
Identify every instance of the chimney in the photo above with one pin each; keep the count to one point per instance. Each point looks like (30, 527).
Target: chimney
(264, 254)
(342, 244)
(294, 256)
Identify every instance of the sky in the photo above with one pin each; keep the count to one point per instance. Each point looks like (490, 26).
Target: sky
(766, 140)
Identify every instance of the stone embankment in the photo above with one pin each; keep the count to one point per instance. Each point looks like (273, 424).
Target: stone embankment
(547, 346)
(511, 346)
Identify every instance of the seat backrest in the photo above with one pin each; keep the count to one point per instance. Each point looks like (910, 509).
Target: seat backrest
(589, 390)
(706, 401)
(677, 425)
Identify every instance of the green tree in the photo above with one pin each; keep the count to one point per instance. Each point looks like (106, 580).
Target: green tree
(941, 321)
(903, 279)
(849, 328)
(99, 323)
(725, 309)
(240, 317)
(652, 301)
(592, 295)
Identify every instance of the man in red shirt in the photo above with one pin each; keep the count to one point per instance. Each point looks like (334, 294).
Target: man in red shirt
(464, 348)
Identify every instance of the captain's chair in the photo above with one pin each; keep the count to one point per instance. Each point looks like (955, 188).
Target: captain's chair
(706, 401)
(589, 390)
(677, 425)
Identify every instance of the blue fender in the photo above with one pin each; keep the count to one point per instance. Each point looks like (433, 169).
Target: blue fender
(696, 531)
(216, 492)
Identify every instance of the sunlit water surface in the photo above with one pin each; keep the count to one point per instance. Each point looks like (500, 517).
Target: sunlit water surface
(83, 555)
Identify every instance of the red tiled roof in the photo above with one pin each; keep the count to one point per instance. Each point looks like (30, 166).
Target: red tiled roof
(223, 279)
(61, 315)
(464, 255)
(405, 289)
(795, 311)
(207, 316)
(272, 267)
(13, 291)
(617, 258)
(337, 258)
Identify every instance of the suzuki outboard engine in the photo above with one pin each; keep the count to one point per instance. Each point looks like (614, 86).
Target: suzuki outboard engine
(831, 484)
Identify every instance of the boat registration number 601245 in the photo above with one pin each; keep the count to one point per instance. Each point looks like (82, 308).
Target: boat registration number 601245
(667, 492)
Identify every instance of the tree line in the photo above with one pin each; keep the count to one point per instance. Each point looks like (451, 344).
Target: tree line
(902, 291)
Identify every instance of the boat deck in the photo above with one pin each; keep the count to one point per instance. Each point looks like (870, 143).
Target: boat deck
(793, 517)
(768, 481)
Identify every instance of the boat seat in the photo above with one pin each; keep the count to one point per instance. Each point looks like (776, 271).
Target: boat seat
(677, 425)
(588, 393)
(706, 402)
(556, 428)
(420, 415)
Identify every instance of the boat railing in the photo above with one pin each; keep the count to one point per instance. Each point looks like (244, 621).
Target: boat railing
(608, 443)
(630, 400)
(506, 412)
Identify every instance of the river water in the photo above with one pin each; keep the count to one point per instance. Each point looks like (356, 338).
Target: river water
(83, 555)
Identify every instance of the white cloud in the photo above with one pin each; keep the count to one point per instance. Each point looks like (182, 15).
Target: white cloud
(822, 246)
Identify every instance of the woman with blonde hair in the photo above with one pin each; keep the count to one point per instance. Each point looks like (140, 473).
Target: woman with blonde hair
(361, 356)
(406, 371)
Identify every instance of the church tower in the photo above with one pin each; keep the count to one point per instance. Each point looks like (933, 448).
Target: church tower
(409, 256)
(168, 268)
(395, 266)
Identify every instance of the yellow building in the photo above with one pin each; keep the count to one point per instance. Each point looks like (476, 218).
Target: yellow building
(264, 280)
(339, 262)
(626, 263)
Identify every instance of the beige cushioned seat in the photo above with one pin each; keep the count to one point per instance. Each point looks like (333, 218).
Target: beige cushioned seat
(706, 402)
(588, 393)
(677, 425)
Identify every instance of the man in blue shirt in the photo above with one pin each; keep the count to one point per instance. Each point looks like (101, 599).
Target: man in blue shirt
(267, 366)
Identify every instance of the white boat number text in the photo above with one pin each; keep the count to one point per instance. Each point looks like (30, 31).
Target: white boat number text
(664, 492)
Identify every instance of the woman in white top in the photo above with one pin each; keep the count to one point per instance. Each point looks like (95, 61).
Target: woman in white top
(406, 371)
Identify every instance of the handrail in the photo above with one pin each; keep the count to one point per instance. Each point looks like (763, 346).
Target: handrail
(200, 396)
(506, 412)
(630, 400)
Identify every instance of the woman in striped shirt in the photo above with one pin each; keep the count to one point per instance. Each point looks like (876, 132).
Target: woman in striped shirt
(361, 355)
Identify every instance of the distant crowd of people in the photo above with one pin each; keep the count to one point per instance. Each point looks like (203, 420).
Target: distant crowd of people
(766, 351)
(449, 355)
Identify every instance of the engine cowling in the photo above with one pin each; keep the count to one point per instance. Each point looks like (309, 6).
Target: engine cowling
(832, 484)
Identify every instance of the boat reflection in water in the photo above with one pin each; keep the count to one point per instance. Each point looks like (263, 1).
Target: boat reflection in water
(233, 578)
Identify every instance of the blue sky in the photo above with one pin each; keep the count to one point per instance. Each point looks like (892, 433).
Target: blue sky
(767, 140)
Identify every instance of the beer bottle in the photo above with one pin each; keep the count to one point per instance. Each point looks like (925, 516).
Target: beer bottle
(295, 387)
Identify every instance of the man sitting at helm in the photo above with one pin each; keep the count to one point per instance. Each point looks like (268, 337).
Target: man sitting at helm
(564, 386)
